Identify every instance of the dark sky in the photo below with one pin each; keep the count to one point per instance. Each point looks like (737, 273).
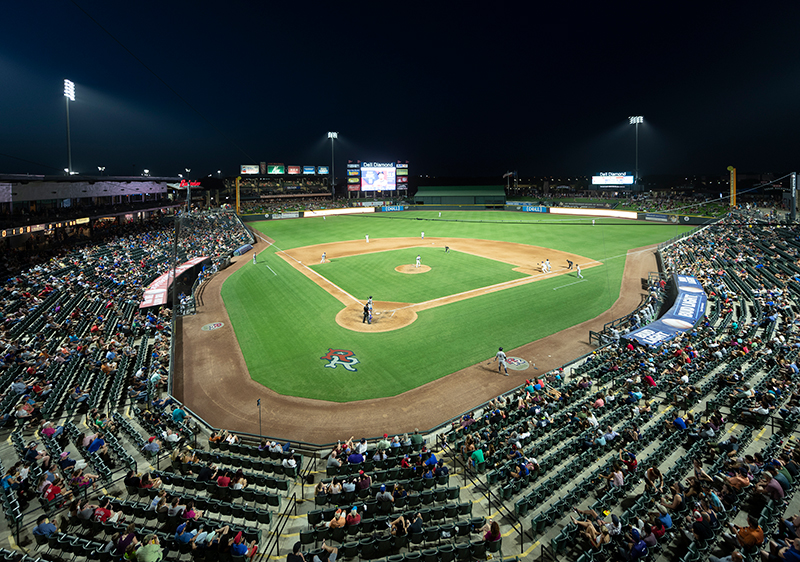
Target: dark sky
(471, 88)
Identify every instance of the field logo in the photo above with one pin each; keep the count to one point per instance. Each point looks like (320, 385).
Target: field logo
(517, 363)
(213, 326)
(342, 357)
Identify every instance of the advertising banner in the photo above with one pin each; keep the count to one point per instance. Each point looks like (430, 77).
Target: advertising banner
(353, 172)
(656, 217)
(529, 209)
(689, 308)
(392, 208)
(402, 171)
(323, 170)
(294, 170)
(276, 169)
(612, 178)
(293, 215)
(309, 169)
(263, 167)
(402, 179)
(248, 169)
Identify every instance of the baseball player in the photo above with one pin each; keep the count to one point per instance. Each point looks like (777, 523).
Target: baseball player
(547, 261)
(578, 269)
(366, 315)
(418, 260)
(569, 264)
(369, 302)
(254, 258)
(324, 254)
(447, 249)
(500, 357)
(423, 235)
(367, 236)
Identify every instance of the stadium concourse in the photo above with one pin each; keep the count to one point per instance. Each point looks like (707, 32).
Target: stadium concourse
(99, 462)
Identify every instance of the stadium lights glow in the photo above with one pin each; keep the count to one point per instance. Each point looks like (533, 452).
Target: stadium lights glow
(101, 169)
(69, 89)
(635, 120)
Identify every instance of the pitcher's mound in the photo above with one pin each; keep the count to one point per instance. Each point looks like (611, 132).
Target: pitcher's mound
(412, 268)
(386, 316)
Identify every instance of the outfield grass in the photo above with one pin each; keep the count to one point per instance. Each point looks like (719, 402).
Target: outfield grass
(285, 322)
(374, 274)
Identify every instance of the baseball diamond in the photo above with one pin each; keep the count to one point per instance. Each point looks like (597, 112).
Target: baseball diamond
(420, 359)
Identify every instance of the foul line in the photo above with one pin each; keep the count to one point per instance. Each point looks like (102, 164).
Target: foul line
(317, 274)
(268, 267)
(568, 284)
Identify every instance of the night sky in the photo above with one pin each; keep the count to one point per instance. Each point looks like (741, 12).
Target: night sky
(456, 89)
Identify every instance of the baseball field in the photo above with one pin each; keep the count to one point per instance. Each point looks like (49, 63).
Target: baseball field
(300, 323)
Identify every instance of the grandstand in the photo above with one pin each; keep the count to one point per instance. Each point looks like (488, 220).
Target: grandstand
(86, 372)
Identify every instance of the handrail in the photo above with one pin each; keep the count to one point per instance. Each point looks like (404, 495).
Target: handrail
(276, 536)
(487, 492)
(303, 474)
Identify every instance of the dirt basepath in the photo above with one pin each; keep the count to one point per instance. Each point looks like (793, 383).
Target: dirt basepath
(218, 386)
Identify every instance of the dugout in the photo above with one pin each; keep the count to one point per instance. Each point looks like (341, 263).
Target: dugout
(482, 195)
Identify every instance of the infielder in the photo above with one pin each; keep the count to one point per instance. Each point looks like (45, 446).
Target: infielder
(547, 261)
(323, 257)
(578, 269)
(417, 260)
(569, 264)
(367, 236)
(500, 357)
(423, 235)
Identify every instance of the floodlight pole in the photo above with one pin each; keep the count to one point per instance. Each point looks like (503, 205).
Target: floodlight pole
(69, 94)
(333, 136)
(635, 120)
(793, 210)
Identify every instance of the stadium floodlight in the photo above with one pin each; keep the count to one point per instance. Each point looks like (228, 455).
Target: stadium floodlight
(147, 172)
(333, 136)
(636, 120)
(101, 169)
(69, 95)
(188, 193)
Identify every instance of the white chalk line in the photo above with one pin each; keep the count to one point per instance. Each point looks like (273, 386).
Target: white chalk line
(568, 284)
(268, 267)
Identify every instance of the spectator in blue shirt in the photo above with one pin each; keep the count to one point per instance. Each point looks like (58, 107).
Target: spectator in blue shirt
(43, 527)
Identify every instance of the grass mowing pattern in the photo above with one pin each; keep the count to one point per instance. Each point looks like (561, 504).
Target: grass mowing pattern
(374, 274)
(285, 323)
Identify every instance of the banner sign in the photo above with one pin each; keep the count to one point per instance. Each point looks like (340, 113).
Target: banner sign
(294, 215)
(248, 169)
(529, 209)
(309, 169)
(656, 217)
(689, 308)
(392, 208)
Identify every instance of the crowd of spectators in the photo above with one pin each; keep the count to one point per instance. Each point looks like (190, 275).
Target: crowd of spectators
(71, 331)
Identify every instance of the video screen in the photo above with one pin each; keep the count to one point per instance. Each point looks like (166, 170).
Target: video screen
(378, 177)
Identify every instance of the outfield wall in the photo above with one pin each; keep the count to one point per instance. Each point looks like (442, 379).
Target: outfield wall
(674, 219)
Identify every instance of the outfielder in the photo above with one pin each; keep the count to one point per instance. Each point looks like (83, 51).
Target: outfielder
(254, 258)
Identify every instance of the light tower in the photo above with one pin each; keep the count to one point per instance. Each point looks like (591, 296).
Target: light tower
(69, 95)
(635, 120)
(333, 136)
